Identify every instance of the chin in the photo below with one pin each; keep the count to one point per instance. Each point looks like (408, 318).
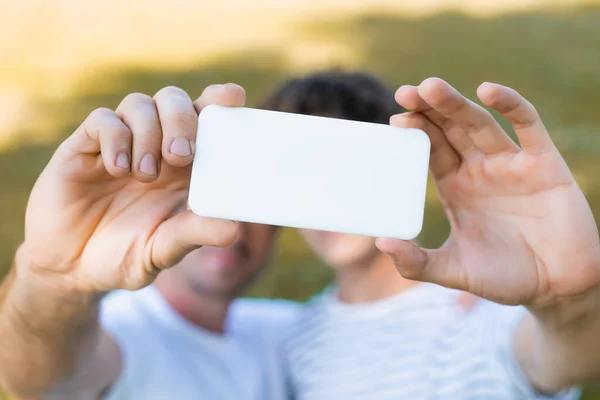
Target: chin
(344, 260)
(342, 250)
(211, 279)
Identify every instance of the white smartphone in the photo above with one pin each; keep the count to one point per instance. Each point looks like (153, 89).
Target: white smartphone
(309, 172)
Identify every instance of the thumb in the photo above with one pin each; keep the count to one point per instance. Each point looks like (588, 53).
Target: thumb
(410, 259)
(184, 232)
(416, 263)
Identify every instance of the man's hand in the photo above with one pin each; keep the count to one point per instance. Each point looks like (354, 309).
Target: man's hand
(101, 216)
(521, 229)
(101, 213)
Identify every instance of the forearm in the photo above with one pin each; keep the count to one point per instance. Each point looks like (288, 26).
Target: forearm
(559, 346)
(49, 332)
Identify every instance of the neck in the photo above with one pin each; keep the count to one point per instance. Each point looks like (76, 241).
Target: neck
(373, 280)
(202, 309)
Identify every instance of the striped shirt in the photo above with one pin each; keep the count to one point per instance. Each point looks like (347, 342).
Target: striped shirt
(418, 344)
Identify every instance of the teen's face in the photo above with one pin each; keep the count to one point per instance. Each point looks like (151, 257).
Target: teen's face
(225, 272)
(341, 250)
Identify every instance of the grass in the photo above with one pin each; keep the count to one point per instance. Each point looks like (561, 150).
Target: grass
(551, 57)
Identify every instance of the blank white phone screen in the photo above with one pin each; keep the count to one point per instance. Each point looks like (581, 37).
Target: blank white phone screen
(309, 172)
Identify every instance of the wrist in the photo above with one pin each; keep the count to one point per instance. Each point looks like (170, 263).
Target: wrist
(557, 342)
(51, 326)
(570, 314)
(44, 291)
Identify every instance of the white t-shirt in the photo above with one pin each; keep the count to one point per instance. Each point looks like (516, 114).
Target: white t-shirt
(166, 357)
(418, 345)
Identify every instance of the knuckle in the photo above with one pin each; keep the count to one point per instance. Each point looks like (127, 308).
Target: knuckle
(170, 91)
(234, 87)
(104, 121)
(408, 273)
(454, 105)
(100, 114)
(211, 88)
(118, 130)
(207, 94)
(523, 123)
(512, 105)
(523, 114)
(506, 106)
(180, 118)
(137, 98)
(471, 128)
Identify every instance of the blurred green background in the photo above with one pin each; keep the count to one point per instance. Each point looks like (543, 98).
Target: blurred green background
(62, 59)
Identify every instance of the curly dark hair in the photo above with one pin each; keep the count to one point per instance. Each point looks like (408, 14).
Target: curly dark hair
(349, 95)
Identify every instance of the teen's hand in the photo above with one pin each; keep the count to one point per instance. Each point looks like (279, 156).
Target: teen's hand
(522, 231)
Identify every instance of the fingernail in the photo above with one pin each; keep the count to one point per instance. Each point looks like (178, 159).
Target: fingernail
(148, 164)
(122, 160)
(181, 147)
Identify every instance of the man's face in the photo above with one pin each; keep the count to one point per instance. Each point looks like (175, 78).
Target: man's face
(225, 272)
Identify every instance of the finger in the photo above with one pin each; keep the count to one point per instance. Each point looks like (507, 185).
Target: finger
(185, 232)
(408, 97)
(103, 132)
(179, 122)
(476, 122)
(423, 265)
(227, 95)
(444, 160)
(139, 113)
(523, 116)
